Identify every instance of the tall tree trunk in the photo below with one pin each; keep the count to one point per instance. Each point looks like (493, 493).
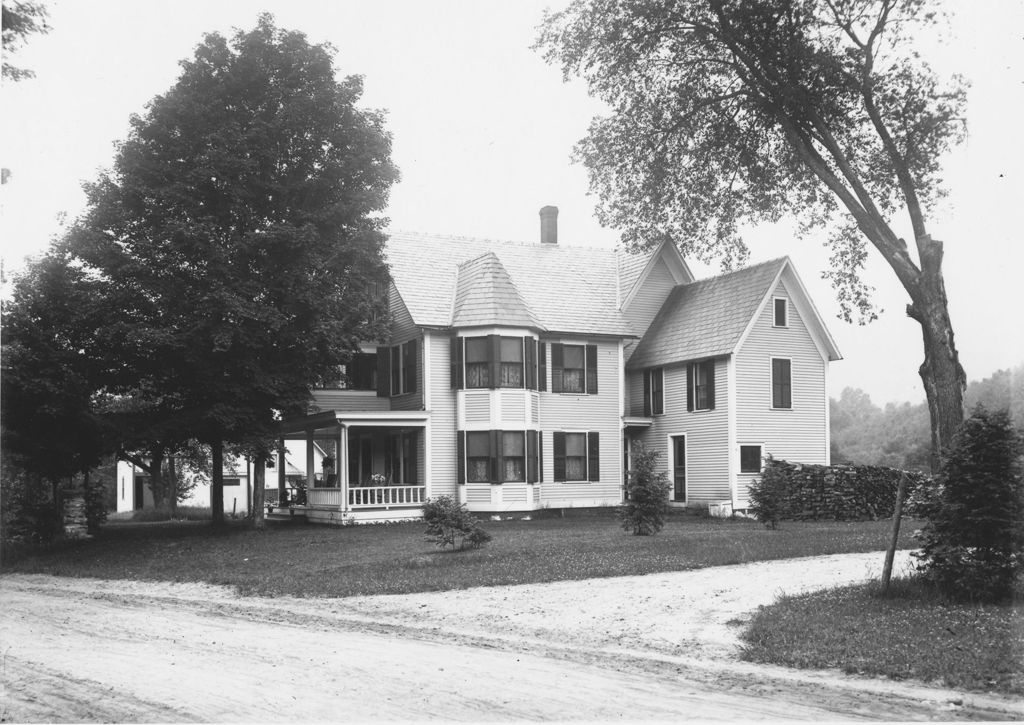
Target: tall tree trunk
(259, 521)
(217, 485)
(172, 486)
(156, 476)
(941, 373)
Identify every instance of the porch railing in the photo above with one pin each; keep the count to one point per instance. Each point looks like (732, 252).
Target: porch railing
(323, 497)
(386, 496)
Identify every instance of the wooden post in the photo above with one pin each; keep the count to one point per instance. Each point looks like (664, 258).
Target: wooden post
(890, 555)
(281, 474)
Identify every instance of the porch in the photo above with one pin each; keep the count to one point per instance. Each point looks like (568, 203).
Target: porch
(360, 465)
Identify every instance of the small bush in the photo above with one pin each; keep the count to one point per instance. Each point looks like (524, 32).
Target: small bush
(449, 521)
(767, 494)
(973, 542)
(647, 489)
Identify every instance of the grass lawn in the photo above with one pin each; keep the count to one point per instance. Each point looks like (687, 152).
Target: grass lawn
(911, 633)
(327, 561)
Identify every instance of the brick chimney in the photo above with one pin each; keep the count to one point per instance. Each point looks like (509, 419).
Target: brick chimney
(549, 225)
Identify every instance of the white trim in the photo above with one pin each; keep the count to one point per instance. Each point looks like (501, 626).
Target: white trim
(803, 297)
(759, 310)
(427, 430)
(771, 383)
(675, 263)
(671, 457)
(828, 416)
(731, 418)
(623, 453)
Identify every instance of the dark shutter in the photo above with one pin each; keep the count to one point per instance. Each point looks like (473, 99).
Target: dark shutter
(456, 363)
(556, 367)
(540, 456)
(689, 387)
(409, 349)
(593, 457)
(591, 363)
(494, 359)
(383, 372)
(711, 384)
(497, 466)
(542, 366)
(647, 392)
(396, 370)
(531, 456)
(530, 363)
(559, 451)
(461, 438)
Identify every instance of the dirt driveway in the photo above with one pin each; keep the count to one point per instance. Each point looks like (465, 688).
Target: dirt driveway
(656, 647)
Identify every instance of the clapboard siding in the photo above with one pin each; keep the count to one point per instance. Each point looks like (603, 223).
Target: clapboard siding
(349, 400)
(572, 412)
(797, 434)
(402, 326)
(648, 300)
(443, 473)
(634, 403)
(706, 431)
(477, 404)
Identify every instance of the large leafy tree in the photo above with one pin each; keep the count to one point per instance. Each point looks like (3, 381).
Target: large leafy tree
(239, 232)
(50, 427)
(20, 21)
(727, 112)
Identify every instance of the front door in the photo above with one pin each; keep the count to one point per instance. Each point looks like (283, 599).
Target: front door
(679, 468)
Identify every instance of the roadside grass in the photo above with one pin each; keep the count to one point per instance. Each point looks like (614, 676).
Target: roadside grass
(321, 561)
(911, 632)
(182, 513)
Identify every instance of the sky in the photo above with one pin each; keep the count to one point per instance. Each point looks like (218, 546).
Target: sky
(483, 134)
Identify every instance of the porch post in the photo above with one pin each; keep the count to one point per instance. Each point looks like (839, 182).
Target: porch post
(281, 479)
(342, 447)
(310, 463)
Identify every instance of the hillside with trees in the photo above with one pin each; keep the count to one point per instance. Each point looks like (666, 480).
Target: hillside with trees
(897, 435)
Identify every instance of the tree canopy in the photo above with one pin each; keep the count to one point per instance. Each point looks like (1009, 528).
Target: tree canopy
(236, 243)
(20, 20)
(727, 112)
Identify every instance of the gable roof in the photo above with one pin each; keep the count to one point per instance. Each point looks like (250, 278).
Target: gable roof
(706, 318)
(486, 295)
(563, 288)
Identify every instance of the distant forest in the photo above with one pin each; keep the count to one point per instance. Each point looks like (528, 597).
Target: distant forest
(898, 435)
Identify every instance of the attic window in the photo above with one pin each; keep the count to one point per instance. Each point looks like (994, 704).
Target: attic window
(781, 312)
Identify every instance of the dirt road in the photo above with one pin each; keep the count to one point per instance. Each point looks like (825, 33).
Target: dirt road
(85, 651)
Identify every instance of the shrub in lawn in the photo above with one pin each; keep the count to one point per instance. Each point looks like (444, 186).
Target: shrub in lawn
(449, 521)
(767, 494)
(647, 488)
(973, 541)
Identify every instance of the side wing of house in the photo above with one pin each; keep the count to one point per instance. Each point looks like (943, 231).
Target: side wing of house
(686, 404)
(781, 385)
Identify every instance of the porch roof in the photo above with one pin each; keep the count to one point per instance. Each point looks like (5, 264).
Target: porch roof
(327, 420)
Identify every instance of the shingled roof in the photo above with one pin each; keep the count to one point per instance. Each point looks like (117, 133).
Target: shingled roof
(705, 318)
(562, 288)
(486, 295)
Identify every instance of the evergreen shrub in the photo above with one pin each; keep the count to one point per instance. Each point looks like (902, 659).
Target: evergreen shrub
(449, 522)
(972, 546)
(647, 490)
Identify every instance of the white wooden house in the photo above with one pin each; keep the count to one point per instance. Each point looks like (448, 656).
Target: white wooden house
(516, 375)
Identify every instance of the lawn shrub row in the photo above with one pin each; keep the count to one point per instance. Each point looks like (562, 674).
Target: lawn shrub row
(836, 493)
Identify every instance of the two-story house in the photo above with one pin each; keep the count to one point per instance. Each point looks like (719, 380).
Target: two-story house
(516, 375)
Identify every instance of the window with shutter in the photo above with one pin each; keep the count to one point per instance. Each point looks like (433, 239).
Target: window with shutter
(511, 371)
(513, 456)
(478, 363)
(701, 380)
(654, 395)
(478, 456)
